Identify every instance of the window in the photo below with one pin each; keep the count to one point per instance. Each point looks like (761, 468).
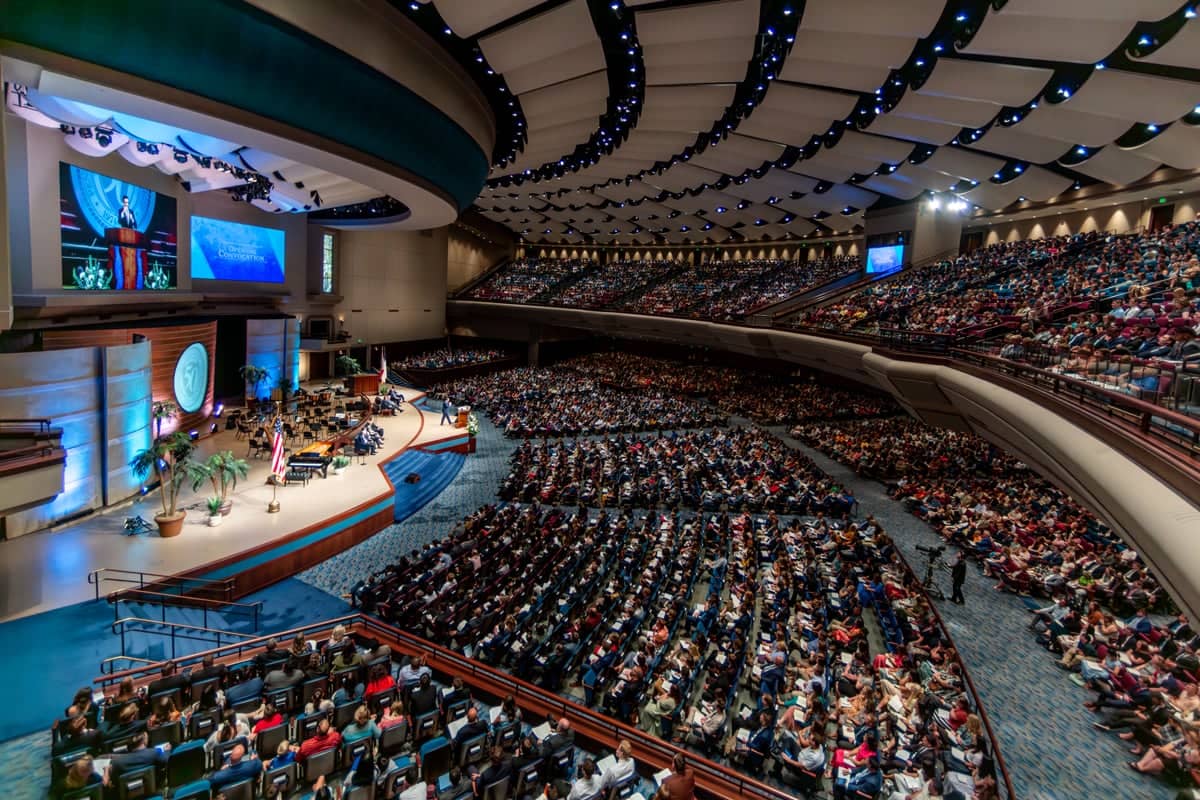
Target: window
(327, 263)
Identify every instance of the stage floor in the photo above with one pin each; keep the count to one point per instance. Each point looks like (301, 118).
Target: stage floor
(43, 571)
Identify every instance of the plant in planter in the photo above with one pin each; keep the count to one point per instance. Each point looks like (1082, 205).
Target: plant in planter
(340, 463)
(170, 460)
(253, 375)
(214, 511)
(223, 470)
(347, 365)
(160, 412)
(286, 387)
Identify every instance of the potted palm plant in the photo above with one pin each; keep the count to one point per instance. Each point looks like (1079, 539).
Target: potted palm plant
(340, 463)
(348, 365)
(223, 470)
(160, 412)
(169, 458)
(215, 517)
(253, 375)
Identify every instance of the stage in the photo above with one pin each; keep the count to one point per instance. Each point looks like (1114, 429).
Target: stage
(43, 571)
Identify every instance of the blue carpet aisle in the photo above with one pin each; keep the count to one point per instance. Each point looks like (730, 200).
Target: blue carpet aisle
(437, 471)
(1045, 733)
(476, 484)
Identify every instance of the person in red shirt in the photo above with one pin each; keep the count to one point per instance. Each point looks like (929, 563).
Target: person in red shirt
(959, 714)
(381, 679)
(269, 719)
(326, 738)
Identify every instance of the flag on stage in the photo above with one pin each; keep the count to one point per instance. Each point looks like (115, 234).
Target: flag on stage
(382, 366)
(277, 448)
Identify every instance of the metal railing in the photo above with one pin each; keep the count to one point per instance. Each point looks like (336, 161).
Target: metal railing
(164, 599)
(222, 589)
(34, 425)
(106, 665)
(176, 631)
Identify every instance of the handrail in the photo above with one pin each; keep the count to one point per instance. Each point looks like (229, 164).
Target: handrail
(97, 576)
(112, 659)
(43, 425)
(253, 610)
(119, 626)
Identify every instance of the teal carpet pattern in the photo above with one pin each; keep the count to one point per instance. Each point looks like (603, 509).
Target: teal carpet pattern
(475, 485)
(1045, 734)
(436, 471)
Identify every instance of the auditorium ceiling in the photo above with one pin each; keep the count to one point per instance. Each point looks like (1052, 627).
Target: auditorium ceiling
(677, 121)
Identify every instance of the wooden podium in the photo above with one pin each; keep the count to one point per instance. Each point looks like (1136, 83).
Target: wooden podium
(126, 257)
(363, 383)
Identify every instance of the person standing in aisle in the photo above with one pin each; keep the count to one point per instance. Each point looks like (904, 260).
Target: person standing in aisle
(958, 575)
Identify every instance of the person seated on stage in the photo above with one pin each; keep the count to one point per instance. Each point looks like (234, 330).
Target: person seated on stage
(363, 443)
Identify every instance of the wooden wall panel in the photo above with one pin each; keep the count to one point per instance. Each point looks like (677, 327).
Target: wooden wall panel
(167, 342)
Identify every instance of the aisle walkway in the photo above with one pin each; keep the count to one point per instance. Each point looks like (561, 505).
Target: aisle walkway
(1045, 733)
(474, 486)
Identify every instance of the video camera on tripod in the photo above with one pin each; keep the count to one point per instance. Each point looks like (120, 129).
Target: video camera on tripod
(934, 561)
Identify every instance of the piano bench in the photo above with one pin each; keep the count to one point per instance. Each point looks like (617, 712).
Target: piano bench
(295, 476)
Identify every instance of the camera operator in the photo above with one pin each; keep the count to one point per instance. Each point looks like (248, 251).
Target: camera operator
(958, 576)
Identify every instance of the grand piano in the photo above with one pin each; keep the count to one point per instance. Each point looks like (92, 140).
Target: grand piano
(318, 456)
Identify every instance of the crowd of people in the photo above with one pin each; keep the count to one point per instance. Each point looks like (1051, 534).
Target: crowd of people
(722, 290)
(738, 469)
(563, 401)
(740, 636)
(445, 357)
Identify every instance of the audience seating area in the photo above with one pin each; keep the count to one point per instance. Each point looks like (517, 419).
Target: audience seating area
(444, 358)
(562, 401)
(725, 290)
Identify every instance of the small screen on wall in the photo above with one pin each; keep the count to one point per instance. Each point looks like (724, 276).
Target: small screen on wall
(115, 235)
(231, 251)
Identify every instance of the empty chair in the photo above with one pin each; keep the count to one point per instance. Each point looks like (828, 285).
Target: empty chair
(242, 790)
(457, 710)
(268, 739)
(378, 701)
(171, 733)
(343, 715)
(306, 725)
(473, 750)
(424, 725)
(528, 777)
(202, 724)
(435, 758)
(136, 784)
(391, 741)
(185, 763)
(563, 762)
(285, 778)
(196, 790)
(319, 764)
(506, 735)
(497, 790)
(93, 791)
(248, 705)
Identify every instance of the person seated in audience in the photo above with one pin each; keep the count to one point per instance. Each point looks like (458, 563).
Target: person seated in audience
(139, 756)
(285, 754)
(126, 725)
(498, 769)
(80, 775)
(239, 765)
(265, 717)
(284, 675)
(325, 737)
(208, 670)
(244, 686)
(348, 689)
(680, 784)
(170, 680)
(361, 727)
(588, 783)
(473, 727)
(73, 734)
(560, 737)
(410, 674)
(622, 769)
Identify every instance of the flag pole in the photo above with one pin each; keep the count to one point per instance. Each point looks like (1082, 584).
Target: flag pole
(273, 506)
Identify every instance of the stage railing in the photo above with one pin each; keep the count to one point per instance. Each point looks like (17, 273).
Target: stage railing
(222, 589)
(164, 599)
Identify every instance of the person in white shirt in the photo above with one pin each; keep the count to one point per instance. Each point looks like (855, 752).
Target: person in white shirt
(623, 768)
(588, 783)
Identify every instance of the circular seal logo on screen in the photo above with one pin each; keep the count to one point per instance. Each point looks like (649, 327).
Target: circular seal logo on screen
(101, 199)
(191, 377)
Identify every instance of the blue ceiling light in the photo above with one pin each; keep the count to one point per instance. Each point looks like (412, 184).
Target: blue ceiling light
(1081, 150)
(787, 11)
(615, 6)
(1152, 128)
(415, 6)
(961, 18)
(1100, 65)
(1145, 41)
(447, 31)
(937, 48)
(721, 209)
(920, 62)
(1190, 13)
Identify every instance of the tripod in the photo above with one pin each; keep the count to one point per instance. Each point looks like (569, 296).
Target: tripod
(931, 588)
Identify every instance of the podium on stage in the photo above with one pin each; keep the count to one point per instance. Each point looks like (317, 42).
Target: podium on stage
(126, 257)
(363, 383)
(463, 413)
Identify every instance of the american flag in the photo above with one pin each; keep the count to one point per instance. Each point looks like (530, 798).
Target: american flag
(382, 365)
(277, 448)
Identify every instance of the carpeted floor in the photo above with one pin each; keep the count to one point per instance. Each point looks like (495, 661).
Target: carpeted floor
(1045, 734)
(436, 471)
